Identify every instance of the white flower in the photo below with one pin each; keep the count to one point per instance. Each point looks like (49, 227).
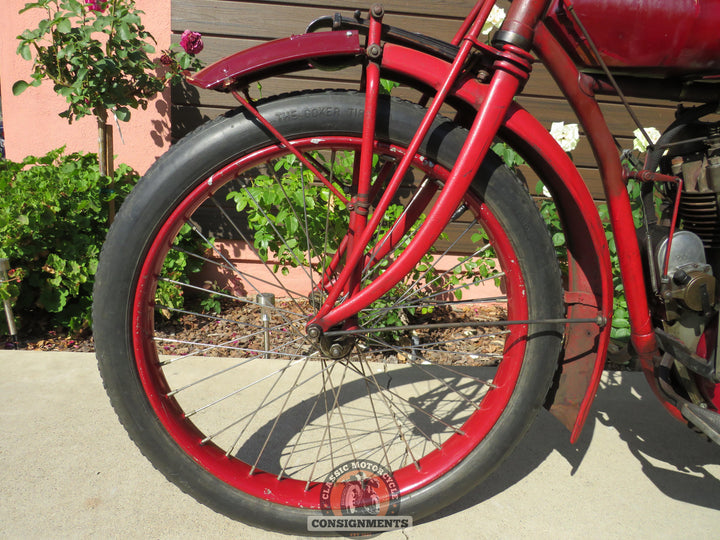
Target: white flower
(494, 20)
(567, 136)
(640, 143)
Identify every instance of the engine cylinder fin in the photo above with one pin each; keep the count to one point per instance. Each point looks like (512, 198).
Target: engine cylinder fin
(700, 215)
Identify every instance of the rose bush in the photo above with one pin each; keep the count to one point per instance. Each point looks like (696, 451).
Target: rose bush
(97, 55)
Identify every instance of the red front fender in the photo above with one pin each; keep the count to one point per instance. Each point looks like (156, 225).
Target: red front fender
(274, 57)
(589, 288)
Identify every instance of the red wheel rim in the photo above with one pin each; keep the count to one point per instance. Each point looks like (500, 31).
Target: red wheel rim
(294, 492)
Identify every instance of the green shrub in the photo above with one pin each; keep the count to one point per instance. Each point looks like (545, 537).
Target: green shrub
(53, 221)
(289, 199)
(621, 318)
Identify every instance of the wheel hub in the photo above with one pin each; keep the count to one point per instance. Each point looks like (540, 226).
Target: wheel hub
(334, 348)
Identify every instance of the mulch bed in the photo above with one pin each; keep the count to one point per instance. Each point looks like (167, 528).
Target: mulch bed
(192, 329)
(52, 341)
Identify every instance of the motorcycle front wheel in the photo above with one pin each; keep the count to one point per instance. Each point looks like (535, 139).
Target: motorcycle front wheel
(227, 247)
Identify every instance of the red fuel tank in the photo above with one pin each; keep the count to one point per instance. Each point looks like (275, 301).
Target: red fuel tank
(659, 37)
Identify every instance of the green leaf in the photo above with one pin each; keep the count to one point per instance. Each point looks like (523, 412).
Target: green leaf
(31, 5)
(64, 26)
(620, 333)
(387, 86)
(133, 18)
(53, 299)
(24, 51)
(122, 114)
(19, 87)
(101, 22)
(124, 32)
(64, 91)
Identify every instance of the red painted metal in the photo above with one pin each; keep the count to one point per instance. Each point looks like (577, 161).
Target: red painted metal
(588, 253)
(332, 267)
(422, 242)
(415, 208)
(480, 12)
(512, 68)
(590, 116)
(663, 37)
(361, 198)
(276, 56)
(487, 122)
(606, 154)
(522, 18)
(590, 277)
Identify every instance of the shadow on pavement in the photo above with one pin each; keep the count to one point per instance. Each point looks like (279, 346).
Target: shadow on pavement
(674, 458)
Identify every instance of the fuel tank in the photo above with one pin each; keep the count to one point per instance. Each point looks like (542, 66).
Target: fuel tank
(654, 37)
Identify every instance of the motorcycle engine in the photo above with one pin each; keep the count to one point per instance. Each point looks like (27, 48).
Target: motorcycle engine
(684, 285)
(698, 164)
(687, 293)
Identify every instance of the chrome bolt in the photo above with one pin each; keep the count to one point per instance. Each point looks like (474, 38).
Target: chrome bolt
(314, 332)
(267, 303)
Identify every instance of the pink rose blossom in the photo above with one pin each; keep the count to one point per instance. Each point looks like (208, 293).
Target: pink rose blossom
(96, 5)
(191, 42)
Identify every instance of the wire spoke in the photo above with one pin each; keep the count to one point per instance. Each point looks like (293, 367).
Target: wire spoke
(277, 418)
(278, 234)
(292, 295)
(250, 385)
(414, 368)
(416, 407)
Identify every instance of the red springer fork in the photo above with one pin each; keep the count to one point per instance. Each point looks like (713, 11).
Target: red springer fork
(510, 70)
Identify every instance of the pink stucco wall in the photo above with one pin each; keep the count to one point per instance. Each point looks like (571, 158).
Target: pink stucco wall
(31, 121)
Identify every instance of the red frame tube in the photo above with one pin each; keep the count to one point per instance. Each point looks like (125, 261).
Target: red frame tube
(588, 111)
(480, 12)
(379, 287)
(360, 201)
(487, 122)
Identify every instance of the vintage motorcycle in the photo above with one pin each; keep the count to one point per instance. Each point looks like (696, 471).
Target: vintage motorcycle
(388, 292)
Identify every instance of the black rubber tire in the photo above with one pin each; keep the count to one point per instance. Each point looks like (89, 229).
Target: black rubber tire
(217, 143)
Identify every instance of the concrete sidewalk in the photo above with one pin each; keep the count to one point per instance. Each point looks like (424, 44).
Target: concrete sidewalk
(68, 471)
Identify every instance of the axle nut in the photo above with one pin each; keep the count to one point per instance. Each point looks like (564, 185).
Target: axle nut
(314, 332)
